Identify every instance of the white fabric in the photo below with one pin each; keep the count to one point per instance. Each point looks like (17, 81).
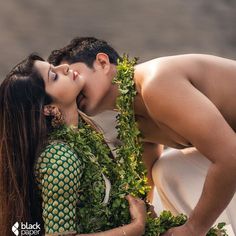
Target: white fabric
(107, 122)
(108, 189)
(179, 176)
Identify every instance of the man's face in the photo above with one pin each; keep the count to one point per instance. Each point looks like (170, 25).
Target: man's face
(96, 86)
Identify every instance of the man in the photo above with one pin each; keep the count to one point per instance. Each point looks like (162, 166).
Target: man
(182, 101)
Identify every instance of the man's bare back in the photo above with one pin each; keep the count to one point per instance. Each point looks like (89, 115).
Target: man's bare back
(188, 100)
(214, 77)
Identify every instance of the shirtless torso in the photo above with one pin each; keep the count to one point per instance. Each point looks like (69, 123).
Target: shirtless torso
(210, 78)
(188, 100)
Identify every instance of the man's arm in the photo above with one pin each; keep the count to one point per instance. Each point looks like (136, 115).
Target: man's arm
(151, 154)
(173, 101)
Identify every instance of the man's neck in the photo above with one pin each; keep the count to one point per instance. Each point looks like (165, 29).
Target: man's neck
(109, 100)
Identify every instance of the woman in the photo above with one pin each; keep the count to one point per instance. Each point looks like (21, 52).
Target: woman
(34, 98)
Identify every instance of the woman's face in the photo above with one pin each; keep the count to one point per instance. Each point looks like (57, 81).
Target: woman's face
(61, 83)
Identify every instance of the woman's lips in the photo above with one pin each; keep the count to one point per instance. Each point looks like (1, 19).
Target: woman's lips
(75, 74)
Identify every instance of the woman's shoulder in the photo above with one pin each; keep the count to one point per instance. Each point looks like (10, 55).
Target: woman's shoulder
(55, 156)
(58, 150)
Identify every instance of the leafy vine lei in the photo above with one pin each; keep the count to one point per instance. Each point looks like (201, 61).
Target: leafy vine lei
(126, 172)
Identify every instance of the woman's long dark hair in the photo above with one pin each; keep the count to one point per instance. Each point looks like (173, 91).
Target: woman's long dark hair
(23, 129)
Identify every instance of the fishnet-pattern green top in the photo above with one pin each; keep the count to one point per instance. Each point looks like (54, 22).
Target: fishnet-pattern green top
(58, 172)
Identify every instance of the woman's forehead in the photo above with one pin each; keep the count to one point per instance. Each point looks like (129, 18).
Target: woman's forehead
(42, 67)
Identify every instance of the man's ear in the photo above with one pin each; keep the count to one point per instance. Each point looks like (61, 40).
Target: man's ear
(102, 60)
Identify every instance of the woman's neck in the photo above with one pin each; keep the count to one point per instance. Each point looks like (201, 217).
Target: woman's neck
(71, 116)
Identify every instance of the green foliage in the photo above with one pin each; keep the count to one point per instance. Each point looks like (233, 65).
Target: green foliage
(159, 225)
(217, 230)
(126, 172)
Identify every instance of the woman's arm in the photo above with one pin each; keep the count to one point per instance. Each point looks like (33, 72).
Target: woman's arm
(58, 172)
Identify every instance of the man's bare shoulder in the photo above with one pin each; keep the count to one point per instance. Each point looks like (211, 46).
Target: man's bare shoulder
(190, 67)
(157, 72)
(166, 66)
(183, 60)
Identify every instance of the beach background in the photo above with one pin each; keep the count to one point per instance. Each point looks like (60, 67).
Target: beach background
(147, 29)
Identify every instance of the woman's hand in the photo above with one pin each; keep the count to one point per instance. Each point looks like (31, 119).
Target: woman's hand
(137, 210)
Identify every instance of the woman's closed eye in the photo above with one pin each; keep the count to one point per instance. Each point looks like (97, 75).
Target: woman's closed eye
(53, 76)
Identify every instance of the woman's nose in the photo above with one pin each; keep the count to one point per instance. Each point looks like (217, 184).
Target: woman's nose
(64, 68)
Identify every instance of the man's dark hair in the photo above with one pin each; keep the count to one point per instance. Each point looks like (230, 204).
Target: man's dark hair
(83, 49)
